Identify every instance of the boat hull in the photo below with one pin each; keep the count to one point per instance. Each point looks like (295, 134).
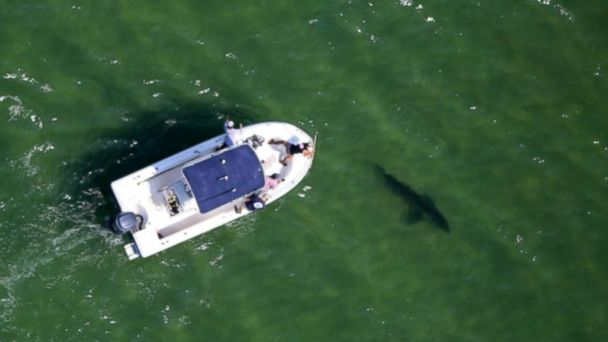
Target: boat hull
(160, 194)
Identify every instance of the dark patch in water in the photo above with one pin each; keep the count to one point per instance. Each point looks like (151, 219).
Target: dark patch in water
(420, 206)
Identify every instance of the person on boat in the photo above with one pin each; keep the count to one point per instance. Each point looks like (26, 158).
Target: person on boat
(229, 130)
(229, 138)
(292, 149)
(252, 203)
(255, 202)
(272, 181)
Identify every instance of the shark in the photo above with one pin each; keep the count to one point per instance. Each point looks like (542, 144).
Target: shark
(420, 206)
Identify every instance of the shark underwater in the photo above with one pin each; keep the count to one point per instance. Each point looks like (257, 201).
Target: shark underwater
(420, 206)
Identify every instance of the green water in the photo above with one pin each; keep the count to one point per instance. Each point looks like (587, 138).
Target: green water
(496, 110)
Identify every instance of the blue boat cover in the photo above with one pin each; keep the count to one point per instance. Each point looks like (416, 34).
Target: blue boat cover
(225, 177)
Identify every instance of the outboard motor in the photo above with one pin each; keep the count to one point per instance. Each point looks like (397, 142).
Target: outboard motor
(126, 222)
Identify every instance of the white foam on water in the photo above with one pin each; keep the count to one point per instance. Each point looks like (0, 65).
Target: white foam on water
(174, 263)
(184, 321)
(46, 88)
(24, 163)
(22, 76)
(562, 10)
(108, 60)
(36, 255)
(419, 8)
(18, 112)
(10, 97)
(44, 248)
(243, 226)
(538, 160)
(52, 230)
(8, 302)
(216, 261)
(206, 302)
(204, 246)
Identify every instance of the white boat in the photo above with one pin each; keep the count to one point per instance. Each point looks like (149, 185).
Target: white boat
(205, 186)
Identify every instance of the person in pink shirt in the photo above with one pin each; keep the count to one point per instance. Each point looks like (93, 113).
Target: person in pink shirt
(272, 182)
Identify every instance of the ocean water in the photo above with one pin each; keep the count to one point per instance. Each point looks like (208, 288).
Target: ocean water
(495, 111)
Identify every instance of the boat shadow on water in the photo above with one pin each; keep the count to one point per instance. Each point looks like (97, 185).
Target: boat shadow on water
(147, 137)
(419, 206)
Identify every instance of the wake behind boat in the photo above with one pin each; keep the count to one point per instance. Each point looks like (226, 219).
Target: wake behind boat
(209, 185)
